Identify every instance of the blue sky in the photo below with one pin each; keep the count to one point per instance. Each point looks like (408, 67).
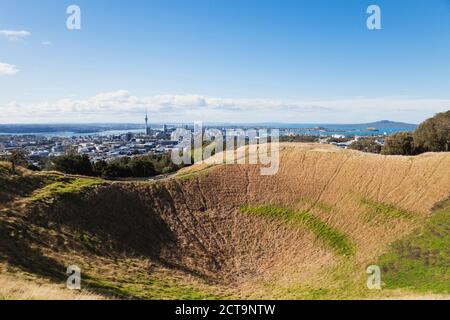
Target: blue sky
(224, 60)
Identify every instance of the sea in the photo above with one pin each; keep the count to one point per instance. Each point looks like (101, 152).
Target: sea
(348, 129)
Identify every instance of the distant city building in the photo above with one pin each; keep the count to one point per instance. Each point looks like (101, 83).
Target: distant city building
(128, 136)
(147, 129)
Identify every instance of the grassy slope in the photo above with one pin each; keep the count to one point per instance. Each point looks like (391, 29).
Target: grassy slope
(421, 261)
(347, 279)
(328, 235)
(156, 285)
(16, 288)
(26, 281)
(379, 212)
(65, 187)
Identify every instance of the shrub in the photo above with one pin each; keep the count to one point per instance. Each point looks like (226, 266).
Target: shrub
(366, 145)
(74, 164)
(401, 143)
(124, 167)
(141, 167)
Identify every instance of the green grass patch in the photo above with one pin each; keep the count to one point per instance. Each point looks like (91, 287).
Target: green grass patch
(421, 261)
(194, 174)
(64, 188)
(149, 287)
(343, 280)
(188, 176)
(378, 211)
(328, 235)
(320, 205)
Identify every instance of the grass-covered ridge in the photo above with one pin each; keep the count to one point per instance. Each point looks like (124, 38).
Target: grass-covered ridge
(378, 211)
(328, 235)
(421, 261)
(64, 187)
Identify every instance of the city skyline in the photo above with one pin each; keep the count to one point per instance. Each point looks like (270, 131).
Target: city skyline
(223, 61)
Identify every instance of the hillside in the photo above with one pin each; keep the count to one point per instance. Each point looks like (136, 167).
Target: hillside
(227, 232)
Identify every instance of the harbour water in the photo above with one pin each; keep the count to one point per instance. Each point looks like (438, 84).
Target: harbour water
(368, 129)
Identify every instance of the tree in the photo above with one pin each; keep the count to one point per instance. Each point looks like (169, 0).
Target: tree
(163, 163)
(16, 158)
(434, 134)
(366, 145)
(74, 164)
(400, 143)
(112, 171)
(339, 140)
(99, 168)
(299, 138)
(123, 167)
(141, 167)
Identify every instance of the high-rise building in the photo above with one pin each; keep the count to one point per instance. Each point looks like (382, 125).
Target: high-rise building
(147, 129)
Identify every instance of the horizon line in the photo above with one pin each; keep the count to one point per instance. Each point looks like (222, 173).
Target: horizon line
(206, 123)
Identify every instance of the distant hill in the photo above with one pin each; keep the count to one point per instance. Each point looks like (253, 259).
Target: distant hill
(389, 124)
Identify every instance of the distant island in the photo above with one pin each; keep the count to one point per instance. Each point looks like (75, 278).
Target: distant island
(388, 123)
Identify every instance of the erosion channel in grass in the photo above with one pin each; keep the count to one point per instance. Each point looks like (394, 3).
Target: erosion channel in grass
(329, 236)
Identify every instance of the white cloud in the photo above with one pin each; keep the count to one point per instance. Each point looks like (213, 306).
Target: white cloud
(7, 69)
(121, 106)
(14, 34)
(46, 43)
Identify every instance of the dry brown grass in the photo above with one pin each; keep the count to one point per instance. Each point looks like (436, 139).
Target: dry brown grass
(13, 288)
(349, 190)
(194, 225)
